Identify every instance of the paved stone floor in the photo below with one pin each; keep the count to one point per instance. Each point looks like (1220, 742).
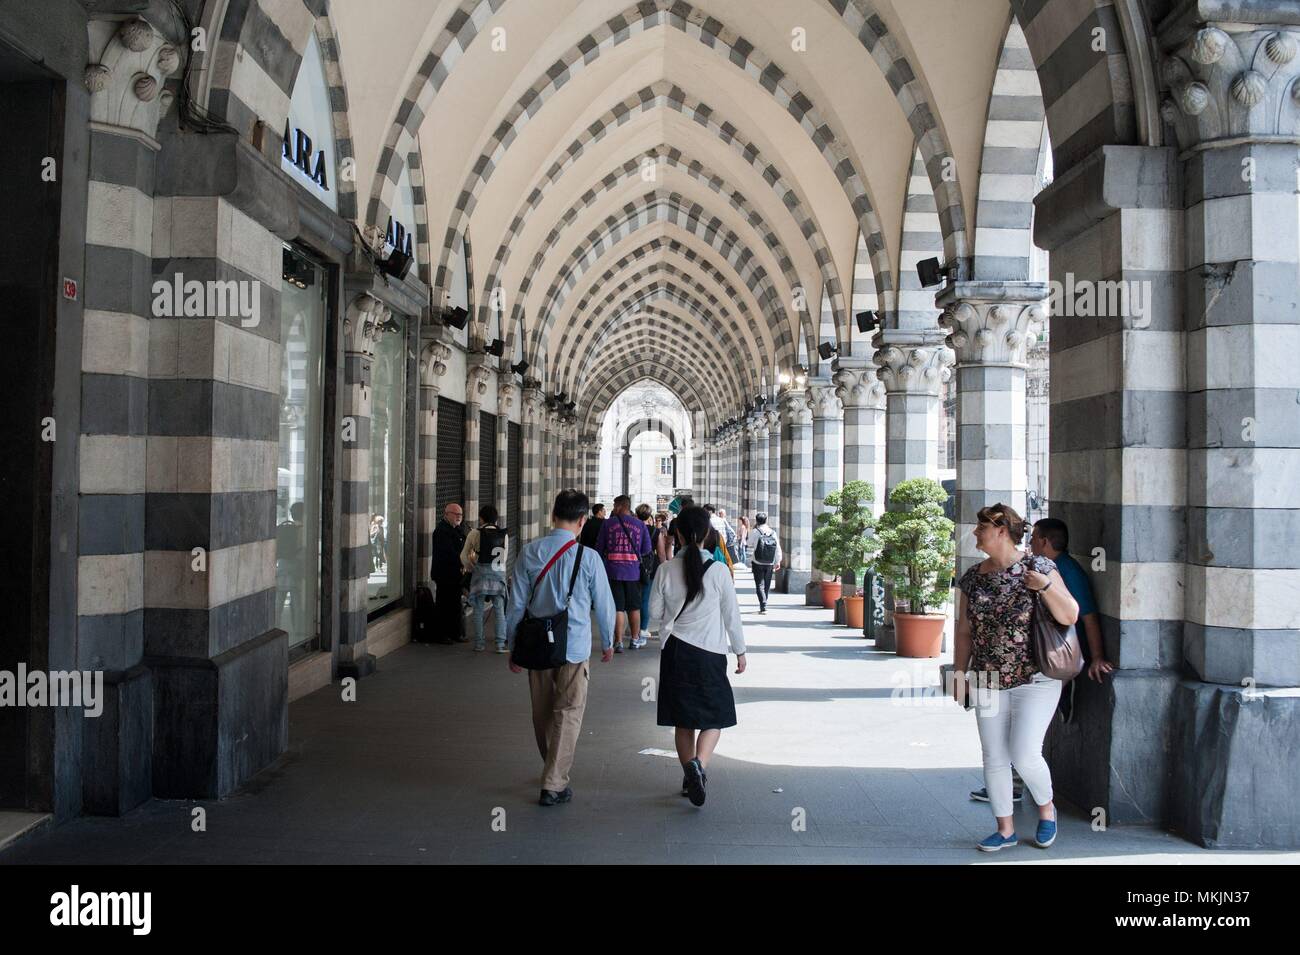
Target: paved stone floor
(439, 746)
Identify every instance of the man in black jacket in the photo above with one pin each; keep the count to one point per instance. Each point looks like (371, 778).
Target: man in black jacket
(589, 531)
(448, 576)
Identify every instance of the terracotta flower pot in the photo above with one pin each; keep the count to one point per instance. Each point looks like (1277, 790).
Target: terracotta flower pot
(919, 635)
(830, 592)
(853, 612)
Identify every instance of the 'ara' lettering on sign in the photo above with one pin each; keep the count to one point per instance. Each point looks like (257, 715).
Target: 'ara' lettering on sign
(398, 237)
(298, 150)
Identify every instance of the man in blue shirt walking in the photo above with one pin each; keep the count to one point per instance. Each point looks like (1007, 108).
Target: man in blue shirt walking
(560, 695)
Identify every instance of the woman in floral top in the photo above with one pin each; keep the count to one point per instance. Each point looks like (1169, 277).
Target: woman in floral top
(992, 638)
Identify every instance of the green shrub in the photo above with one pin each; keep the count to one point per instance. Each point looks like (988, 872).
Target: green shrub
(916, 545)
(843, 540)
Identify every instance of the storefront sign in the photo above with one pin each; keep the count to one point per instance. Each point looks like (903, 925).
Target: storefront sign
(309, 154)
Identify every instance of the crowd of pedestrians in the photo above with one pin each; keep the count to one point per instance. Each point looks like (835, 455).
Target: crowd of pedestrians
(632, 575)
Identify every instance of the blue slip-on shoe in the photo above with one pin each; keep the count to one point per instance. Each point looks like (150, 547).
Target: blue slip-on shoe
(998, 841)
(1046, 833)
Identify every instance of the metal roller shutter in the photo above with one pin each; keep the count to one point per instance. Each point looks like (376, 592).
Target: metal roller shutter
(487, 459)
(451, 453)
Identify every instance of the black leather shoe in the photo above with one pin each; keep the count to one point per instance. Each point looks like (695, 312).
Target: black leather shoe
(550, 798)
(695, 780)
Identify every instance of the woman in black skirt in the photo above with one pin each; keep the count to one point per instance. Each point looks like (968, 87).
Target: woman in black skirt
(694, 605)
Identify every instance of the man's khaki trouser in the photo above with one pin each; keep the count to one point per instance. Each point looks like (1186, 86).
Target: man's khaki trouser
(559, 699)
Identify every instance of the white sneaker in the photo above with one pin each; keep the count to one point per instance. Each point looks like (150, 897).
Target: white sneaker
(639, 642)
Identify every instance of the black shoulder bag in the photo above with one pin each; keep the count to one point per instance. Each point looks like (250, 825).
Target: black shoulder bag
(645, 561)
(542, 643)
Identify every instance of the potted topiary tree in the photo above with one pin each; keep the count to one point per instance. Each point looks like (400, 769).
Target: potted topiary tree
(916, 555)
(843, 542)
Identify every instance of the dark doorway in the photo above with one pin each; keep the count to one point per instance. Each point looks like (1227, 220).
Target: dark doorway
(31, 153)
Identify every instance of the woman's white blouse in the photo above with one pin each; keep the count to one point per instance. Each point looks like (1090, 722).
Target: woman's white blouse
(711, 622)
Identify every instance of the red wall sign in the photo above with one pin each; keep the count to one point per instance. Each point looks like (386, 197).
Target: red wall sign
(70, 289)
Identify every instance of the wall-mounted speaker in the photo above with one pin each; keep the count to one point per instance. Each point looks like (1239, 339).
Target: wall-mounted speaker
(456, 317)
(930, 272)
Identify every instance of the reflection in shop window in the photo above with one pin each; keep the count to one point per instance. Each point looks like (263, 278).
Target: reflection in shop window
(387, 471)
(298, 483)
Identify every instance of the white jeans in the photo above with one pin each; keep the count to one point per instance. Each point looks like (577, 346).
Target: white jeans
(1011, 733)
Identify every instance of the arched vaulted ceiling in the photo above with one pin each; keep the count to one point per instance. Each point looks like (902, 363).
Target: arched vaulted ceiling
(667, 189)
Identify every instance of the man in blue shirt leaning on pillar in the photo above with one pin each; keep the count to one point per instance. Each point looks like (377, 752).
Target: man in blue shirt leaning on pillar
(560, 695)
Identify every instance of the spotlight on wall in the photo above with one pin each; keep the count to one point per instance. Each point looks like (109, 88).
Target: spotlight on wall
(866, 321)
(391, 326)
(456, 317)
(297, 271)
(496, 348)
(571, 404)
(398, 264)
(783, 379)
(827, 350)
(930, 272)
(520, 367)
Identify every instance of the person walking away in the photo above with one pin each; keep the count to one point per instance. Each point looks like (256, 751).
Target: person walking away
(621, 542)
(592, 527)
(1051, 539)
(764, 558)
(448, 575)
(698, 616)
(1014, 700)
(484, 558)
(559, 696)
(742, 539)
(646, 516)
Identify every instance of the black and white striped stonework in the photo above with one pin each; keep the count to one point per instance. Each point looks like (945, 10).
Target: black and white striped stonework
(796, 487)
(1009, 166)
(530, 485)
(827, 442)
(776, 478)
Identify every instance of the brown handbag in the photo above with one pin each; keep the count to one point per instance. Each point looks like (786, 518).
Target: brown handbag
(1056, 648)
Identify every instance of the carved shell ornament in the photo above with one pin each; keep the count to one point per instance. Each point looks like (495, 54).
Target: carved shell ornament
(169, 59)
(97, 77)
(1280, 48)
(1249, 88)
(1210, 45)
(1194, 97)
(136, 35)
(145, 87)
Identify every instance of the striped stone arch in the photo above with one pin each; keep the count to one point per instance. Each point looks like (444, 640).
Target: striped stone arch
(1087, 94)
(1009, 173)
(668, 208)
(623, 314)
(423, 248)
(922, 239)
(666, 324)
(665, 95)
(462, 27)
(642, 426)
(654, 255)
(693, 368)
(263, 40)
(664, 157)
(620, 379)
(937, 159)
(864, 298)
(715, 36)
(722, 324)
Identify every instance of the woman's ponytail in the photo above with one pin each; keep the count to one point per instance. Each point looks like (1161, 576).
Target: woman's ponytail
(693, 526)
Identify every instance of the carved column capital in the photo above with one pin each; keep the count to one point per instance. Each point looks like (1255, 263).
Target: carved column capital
(773, 416)
(131, 61)
(433, 363)
(534, 405)
(795, 407)
(858, 385)
(1230, 80)
(915, 367)
(505, 392)
(477, 377)
(822, 398)
(361, 324)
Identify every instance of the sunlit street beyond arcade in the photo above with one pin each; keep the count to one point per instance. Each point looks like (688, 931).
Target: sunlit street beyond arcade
(842, 755)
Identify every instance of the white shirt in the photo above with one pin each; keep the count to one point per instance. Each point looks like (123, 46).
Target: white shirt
(711, 622)
(763, 530)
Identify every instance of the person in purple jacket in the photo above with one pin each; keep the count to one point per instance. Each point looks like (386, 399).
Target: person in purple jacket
(621, 542)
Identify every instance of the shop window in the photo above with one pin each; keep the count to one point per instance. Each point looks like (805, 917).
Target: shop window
(387, 469)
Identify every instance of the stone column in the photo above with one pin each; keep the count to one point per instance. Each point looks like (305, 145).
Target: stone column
(530, 489)
(360, 333)
(990, 325)
(591, 462)
(505, 400)
(756, 430)
(913, 374)
(433, 365)
(776, 487)
(476, 385)
(1234, 107)
(827, 442)
(863, 396)
(570, 461)
(796, 485)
